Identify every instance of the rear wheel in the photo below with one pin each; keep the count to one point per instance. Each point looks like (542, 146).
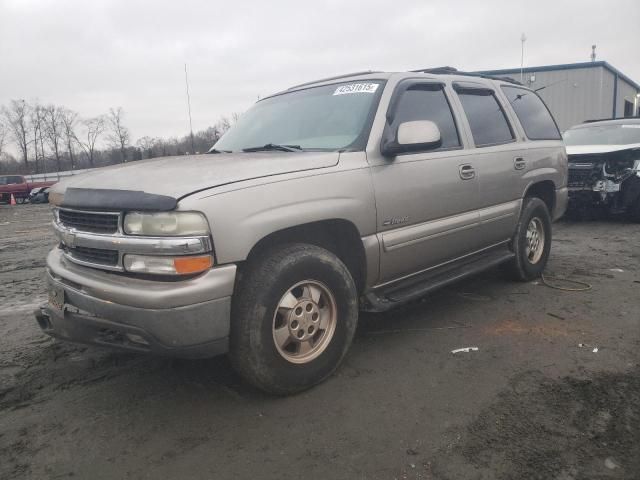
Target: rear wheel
(294, 315)
(532, 240)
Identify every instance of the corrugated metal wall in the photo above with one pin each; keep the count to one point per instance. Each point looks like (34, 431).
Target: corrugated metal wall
(579, 94)
(625, 92)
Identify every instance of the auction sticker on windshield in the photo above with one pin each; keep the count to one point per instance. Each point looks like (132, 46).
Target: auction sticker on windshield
(356, 88)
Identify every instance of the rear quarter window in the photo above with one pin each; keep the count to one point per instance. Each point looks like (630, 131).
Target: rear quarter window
(488, 123)
(533, 114)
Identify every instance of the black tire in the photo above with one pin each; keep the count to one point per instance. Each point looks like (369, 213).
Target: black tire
(253, 350)
(522, 267)
(634, 213)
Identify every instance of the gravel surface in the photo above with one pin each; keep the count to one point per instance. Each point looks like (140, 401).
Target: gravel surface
(530, 403)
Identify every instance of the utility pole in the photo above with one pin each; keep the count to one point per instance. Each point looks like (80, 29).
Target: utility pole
(593, 53)
(523, 38)
(186, 81)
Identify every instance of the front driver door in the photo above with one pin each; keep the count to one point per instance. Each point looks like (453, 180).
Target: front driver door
(426, 202)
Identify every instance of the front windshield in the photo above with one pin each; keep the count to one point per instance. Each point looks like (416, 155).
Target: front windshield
(619, 134)
(330, 117)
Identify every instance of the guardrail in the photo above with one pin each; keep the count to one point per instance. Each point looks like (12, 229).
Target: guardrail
(55, 176)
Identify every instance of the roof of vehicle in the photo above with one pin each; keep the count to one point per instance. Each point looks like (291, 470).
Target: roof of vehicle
(608, 121)
(427, 73)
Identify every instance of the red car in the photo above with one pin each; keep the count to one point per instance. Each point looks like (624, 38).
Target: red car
(19, 187)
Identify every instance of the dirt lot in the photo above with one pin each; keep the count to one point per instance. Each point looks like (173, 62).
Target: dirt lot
(529, 404)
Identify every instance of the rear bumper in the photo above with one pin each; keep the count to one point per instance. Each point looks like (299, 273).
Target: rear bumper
(188, 318)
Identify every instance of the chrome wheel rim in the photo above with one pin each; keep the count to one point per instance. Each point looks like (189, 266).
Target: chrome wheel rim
(304, 321)
(535, 240)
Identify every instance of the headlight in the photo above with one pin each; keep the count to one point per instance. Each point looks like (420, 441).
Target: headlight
(166, 224)
(167, 265)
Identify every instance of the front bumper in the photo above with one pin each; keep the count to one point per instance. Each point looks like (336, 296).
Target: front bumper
(188, 318)
(562, 202)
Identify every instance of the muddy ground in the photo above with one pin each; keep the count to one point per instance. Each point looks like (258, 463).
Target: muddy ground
(529, 404)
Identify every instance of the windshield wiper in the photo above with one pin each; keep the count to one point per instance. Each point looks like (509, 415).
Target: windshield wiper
(274, 146)
(213, 150)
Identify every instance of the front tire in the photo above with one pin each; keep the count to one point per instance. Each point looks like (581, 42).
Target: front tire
(532, 240)
(294, 315)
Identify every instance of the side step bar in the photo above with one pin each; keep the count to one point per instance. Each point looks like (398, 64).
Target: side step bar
(385, 298)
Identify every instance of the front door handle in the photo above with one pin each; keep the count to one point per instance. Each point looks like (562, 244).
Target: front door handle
(519, 163)
(466, 171)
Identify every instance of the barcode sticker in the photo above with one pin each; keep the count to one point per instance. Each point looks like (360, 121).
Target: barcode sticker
(356, 88)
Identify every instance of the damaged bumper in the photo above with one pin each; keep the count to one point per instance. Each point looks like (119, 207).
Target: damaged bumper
(187, 318)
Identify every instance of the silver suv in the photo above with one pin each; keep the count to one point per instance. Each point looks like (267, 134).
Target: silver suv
(359, 192)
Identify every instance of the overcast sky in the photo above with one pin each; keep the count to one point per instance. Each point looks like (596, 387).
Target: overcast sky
(91, 55)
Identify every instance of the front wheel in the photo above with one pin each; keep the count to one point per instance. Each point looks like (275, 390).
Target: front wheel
(532, 240)
(294, 315)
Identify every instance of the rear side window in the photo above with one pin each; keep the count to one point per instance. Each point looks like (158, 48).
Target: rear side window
(533, 114)
(489, 125)
(428, 102)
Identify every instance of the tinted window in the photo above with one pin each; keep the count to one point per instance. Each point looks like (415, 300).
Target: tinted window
(10, 180)
(532, 113)
(428, 102)
(488, 123)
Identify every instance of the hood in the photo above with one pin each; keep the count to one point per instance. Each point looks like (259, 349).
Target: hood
(177, 177)
(593, 149)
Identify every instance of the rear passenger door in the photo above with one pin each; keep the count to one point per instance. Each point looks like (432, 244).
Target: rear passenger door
(498, 160)
(425, 201)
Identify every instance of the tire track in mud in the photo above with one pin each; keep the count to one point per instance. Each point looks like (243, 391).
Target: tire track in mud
(542, 428)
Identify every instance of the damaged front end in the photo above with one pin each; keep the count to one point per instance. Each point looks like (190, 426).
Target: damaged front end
(606, 181)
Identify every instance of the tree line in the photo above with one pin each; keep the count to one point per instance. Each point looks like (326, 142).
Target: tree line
(52, 138)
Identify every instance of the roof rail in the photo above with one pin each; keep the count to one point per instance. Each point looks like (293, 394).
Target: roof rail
(334, 78)
(592, 120)
(455, 71)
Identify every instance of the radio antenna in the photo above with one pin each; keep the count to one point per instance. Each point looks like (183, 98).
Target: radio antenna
(186, 82)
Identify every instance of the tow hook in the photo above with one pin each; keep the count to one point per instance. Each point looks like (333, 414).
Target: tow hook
(43, 318)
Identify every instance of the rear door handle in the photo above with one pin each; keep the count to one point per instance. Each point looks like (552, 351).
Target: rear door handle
(519, 163)
(467, 172)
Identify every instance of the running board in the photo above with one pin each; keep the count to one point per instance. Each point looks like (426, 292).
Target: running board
(385, 298)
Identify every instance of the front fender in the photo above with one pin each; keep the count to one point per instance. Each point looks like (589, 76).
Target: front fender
(240, 218)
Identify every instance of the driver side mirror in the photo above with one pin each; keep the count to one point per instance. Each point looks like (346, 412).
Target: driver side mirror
(415, 136)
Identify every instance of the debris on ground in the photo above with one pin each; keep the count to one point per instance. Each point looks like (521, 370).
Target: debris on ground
(610, 463)
(465, 350)
(586, 345)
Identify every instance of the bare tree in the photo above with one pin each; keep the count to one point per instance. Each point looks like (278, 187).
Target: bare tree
(223, 125)
(3, 137)
(68, 118)
(16, 118)
(147, 145)
(119, 134)
(36, 125)
(53, 128)
(94, 128)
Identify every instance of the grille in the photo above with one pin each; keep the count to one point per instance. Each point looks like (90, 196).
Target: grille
(89, 222)
(94, 255)
(580, 177)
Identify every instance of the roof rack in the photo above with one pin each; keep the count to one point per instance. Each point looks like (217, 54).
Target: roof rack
(455, 71)
(334, 78)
